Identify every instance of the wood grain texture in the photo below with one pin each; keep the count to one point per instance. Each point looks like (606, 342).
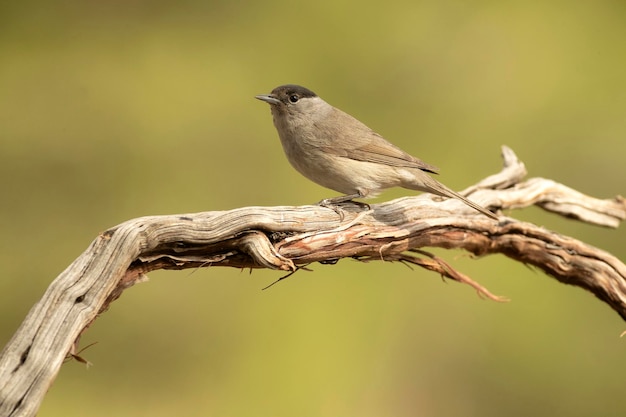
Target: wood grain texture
(287, 238)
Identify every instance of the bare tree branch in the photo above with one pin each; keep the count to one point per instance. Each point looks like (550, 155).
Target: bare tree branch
(287, 238)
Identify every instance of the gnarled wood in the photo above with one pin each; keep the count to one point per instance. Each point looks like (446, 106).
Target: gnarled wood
(286, 238)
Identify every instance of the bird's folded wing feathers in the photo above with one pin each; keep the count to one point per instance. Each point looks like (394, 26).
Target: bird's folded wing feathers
(380, 152)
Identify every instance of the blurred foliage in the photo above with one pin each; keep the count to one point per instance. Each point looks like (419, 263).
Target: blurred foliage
(113, 110)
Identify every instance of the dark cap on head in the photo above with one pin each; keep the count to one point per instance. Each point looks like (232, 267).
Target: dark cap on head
(287, 95)
(288, 89)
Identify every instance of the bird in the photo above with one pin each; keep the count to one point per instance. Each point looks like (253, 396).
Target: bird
(337, 151)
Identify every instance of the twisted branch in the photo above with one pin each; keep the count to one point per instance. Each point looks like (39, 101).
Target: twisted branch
(288, 238)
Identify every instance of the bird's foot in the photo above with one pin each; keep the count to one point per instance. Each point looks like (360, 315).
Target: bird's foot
(337, 203)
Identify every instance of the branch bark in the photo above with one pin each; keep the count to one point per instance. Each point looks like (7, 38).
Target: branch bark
(289, 238)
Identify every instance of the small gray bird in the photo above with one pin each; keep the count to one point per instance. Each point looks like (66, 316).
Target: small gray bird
(339, 152)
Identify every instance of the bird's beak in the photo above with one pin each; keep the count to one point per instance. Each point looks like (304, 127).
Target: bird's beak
(268, 98)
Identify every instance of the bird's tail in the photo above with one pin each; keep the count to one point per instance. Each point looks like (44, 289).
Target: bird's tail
(431, 185)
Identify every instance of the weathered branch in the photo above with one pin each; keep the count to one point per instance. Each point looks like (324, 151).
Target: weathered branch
(286, 238)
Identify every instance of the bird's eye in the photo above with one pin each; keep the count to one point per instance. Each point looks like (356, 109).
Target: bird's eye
(294, 98)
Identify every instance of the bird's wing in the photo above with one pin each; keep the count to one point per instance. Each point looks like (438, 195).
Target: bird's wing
(363, 144)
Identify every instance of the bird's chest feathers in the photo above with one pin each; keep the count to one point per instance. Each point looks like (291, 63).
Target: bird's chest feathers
(301, 134)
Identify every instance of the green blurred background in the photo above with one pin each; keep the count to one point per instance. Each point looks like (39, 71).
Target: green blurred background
(114, 110)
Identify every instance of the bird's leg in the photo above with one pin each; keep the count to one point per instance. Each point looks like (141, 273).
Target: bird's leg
(335, 201)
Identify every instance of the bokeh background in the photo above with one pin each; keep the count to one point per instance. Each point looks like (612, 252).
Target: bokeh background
(114, 110)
